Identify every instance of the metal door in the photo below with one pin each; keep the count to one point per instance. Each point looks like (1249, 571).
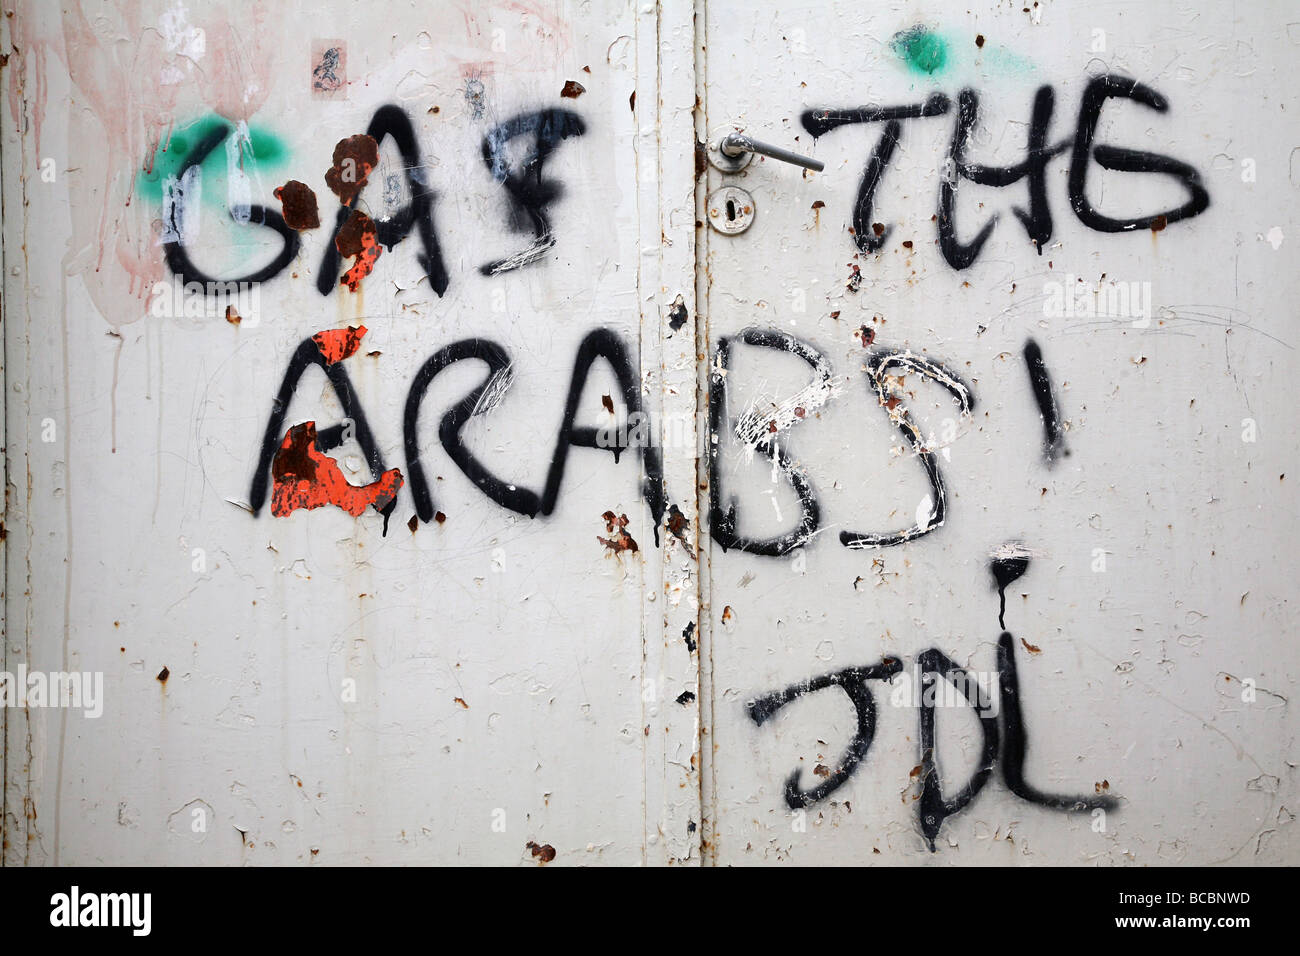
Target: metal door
(325, 329)
(425, 443)
(1027, 329)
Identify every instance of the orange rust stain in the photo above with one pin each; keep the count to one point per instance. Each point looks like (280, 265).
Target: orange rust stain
(619, 540)
(304, 478)
(338, 344)
(359, 238)
(544, 853)
(299, 205)
(354, 158)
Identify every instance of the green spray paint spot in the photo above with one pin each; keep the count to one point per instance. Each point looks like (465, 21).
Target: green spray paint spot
(261, 148)
(923, 50)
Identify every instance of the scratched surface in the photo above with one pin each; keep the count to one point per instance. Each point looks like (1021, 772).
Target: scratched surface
(428, 482)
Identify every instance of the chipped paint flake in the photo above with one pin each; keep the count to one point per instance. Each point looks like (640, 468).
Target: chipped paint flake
(304, 478)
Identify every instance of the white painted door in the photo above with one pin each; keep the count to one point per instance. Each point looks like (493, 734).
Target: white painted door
(385, 596)
(1087, 398)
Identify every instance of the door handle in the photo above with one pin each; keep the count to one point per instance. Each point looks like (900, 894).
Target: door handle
(735, 145)
(730, 151)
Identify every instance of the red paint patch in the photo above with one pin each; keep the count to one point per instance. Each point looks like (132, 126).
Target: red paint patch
(354, 158)
(304, 478)
(338, 344)
(359, 238)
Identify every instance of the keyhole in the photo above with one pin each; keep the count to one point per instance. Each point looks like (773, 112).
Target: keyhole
(731, 210)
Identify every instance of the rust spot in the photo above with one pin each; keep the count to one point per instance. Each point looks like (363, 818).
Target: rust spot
(1101, 787)
(619, 540)
(631, 101)
(233, 316)
(865, 335)
(439, 517)
(1160, 223)
(878, 228)
(608, 402)
(163, 675)
(727, 614)
(907, 243)
(979, 40)
(359, 238)
(337, 344)
(855, 278)
(818, 204)
(544, 853)
(572, 89)
(304, 478)
(822, 770)
(299, 204)
(354, 159)
(461, 701)
(1030, 647)
(677, 522)
(413, 523)
(799, 412)
(916, 772)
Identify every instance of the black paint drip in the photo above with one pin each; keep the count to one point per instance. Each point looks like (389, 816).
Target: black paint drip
(1006, 570)
(1053, 431)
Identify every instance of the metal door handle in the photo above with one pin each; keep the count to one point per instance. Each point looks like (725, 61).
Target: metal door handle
(734, 145)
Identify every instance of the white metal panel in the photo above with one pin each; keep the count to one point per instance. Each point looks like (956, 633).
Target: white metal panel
(487, 687)
(1152, 628)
